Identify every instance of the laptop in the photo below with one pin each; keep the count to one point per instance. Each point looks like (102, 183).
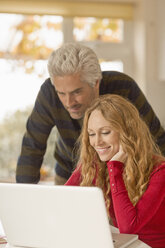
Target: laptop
(46, 216)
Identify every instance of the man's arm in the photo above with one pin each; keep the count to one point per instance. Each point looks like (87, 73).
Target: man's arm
(38, 128)
(148, 115)
(119, 83)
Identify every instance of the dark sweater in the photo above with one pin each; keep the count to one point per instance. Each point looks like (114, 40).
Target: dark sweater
(48, 112)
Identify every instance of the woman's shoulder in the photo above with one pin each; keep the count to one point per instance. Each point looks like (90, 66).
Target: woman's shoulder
(75, 177)
(159, 170)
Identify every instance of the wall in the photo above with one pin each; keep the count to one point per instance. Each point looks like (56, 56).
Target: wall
(149, 57)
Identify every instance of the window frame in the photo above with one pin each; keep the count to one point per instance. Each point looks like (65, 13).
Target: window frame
(118, 51)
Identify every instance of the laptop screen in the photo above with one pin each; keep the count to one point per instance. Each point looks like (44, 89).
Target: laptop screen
(44, 216)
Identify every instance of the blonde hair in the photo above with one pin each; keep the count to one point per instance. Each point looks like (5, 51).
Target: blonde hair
(136, 140)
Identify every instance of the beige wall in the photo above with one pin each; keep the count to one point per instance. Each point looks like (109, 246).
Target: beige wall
(149, 56)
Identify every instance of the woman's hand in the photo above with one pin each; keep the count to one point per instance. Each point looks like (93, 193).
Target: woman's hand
(120, 156)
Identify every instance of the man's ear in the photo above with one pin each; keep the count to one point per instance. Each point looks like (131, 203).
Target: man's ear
(97, 84)
(97, 87)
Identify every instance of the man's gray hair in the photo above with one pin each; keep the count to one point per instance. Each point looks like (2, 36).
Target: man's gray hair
(74, 58)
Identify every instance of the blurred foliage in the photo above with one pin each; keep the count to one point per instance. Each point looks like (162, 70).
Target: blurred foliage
(30, 46)
(100, 28)
(28, 43)
(24, 52)
(106, 30)
(12, 129)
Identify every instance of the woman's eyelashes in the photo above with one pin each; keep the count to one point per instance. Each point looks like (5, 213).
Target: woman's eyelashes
(107, 132)
(91, 134)
(103, 132)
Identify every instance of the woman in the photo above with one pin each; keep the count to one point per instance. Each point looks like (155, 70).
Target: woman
(118, 154)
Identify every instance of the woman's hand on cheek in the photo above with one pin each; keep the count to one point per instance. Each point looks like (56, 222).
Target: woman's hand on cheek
(120, 156)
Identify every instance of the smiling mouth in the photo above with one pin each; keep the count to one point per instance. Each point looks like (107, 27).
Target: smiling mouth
(102, 150)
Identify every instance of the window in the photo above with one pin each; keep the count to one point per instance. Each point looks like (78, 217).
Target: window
(102, 34)
(97, 29)
(113, 46)
(25, 46)
(111, 65)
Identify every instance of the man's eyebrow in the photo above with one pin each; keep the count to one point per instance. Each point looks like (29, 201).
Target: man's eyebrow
(78, 89)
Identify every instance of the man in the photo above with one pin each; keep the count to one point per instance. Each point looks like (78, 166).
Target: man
(75, 80)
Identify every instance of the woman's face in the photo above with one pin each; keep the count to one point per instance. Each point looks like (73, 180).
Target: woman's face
(101, 137)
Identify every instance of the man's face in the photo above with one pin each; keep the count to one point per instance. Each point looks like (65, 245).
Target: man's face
(75, 95)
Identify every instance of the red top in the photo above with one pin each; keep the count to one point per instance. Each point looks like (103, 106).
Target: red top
(147, 217)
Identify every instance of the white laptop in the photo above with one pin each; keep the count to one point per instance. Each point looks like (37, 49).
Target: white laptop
(44, 216)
